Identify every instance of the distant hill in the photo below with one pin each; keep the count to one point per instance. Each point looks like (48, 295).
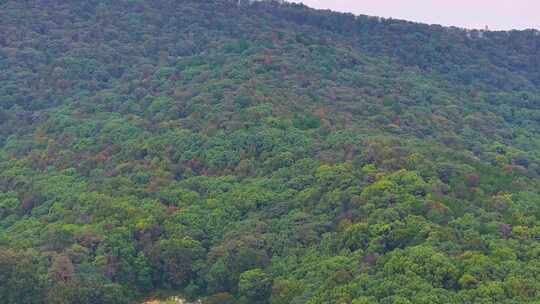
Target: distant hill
(264, 152)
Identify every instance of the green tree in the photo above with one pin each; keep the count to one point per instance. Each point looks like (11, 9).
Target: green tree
(255, 286)
(176, 261)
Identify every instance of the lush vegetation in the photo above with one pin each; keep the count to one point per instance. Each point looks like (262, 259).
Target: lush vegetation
(264, 153)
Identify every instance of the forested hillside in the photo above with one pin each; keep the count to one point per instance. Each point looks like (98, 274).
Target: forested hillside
(264, 153)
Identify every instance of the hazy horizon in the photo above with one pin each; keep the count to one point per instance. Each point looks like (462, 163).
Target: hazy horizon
(499, 15)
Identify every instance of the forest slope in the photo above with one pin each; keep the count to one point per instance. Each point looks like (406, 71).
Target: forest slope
(264, 153)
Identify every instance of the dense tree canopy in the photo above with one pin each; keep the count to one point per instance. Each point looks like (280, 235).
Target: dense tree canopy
(264, 152)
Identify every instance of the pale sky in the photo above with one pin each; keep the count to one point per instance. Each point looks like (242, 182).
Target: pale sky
(473, 14)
